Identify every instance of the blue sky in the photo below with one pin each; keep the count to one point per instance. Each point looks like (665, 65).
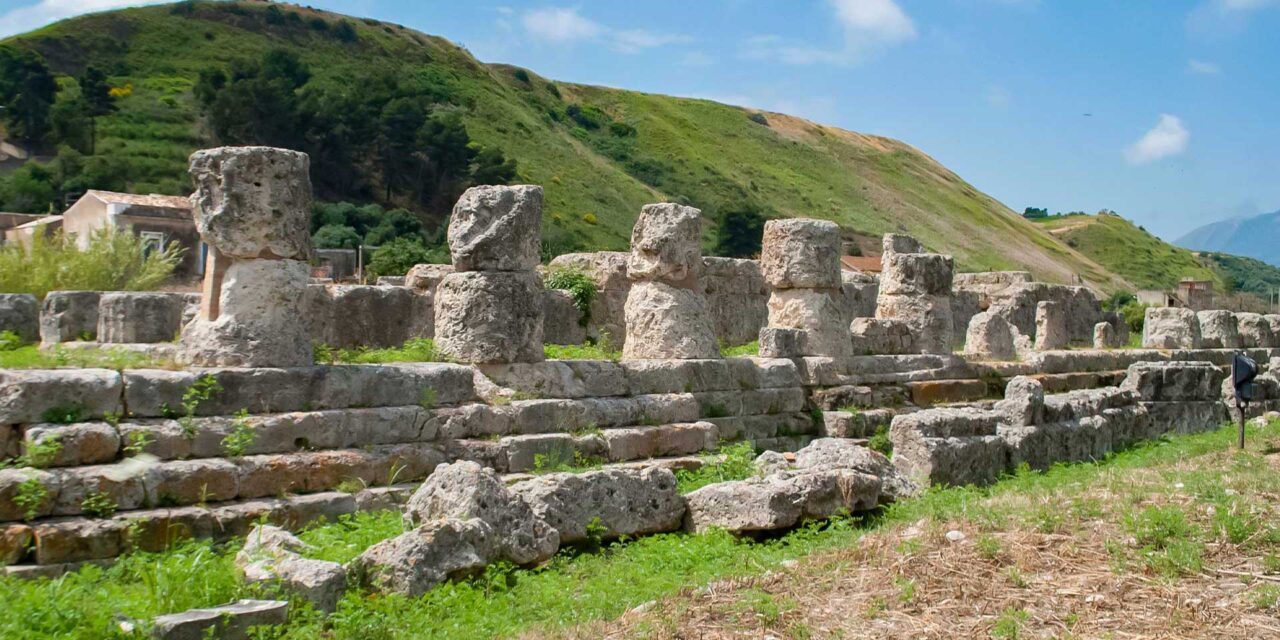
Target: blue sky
(1183, 96)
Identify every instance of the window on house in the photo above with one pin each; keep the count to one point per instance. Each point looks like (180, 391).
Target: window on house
(151, 241)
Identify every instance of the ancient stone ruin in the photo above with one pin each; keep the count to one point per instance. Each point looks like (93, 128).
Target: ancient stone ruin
(489, 309)
(499, 455)
(253, 210)
(666, 310)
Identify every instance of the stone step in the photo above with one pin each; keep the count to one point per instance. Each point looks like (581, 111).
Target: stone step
(860, 424)
(138, 483)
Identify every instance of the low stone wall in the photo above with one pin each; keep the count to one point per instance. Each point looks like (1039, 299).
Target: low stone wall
(127, 440)
(975, 445)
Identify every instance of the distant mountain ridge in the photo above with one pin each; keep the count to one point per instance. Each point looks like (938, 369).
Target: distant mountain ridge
(1255, 237)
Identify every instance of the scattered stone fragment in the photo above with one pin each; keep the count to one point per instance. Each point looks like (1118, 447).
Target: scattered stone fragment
(228, 622)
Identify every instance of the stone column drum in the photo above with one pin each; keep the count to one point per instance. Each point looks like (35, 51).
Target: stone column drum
(489, 310)
(915, 287)
(252, 207)
(800, 259)
(666, 311)
(1051, 326)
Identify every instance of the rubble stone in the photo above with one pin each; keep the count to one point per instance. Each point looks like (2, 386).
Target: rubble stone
(228, 622)
(273, 555)
(625, 501)
(414, 562)
(465, 490)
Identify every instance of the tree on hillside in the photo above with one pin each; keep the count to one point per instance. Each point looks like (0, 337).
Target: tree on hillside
(1035, 212)
(95, 95)
(257, 103)
(741, 231)
(398, 136)
(27, 91)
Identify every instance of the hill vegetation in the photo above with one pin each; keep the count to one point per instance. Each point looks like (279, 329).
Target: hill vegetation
(403, 120)
(1130, 251)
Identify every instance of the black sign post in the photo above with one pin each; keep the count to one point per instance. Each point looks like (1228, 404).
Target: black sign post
(1243, 371)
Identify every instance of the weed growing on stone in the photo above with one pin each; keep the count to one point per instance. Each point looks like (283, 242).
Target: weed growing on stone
(579, 285)
(10, 341)
(580, 352)
(731, 462)
(427, 400)
(30, 495)
(879, 441)
(241, 436)
(201, 390)
(33, 357)
(137, 441)
(98, 505)
(41, 453)
(413, 350)
(64, 413)
(740, 351)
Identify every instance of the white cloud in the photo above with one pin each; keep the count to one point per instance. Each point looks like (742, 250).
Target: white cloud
(565, 26)
(22, 19)
(636, 40)
(561, 25)
(1168, 138)
(1203, 68)
(875, 20)
(867, 26)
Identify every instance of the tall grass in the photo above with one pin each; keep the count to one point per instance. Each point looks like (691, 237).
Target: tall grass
(112, 261)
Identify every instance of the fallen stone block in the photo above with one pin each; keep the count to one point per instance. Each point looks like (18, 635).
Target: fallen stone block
(625, 502)
(779, 501)
(274, 556)
(465, 490)
(413, 563)
(228, 622)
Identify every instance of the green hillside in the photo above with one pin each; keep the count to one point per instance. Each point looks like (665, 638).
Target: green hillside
(1129, 251)
(600, 153)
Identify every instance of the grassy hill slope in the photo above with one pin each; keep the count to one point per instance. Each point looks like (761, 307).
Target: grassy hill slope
(697, 151)
(1129, 251)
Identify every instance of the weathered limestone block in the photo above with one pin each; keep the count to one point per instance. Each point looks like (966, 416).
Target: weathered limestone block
(1023, 403)
(69, 315)
(259, 321)
(668, 322)
(465, 490)
(15, 540)
(882, 336)
(11, 483)
(1255, 331)
(350, 316)
(78, 444)
(1051, 326)
(413, 563)
(495, 228)
(780, 501)
(253, 202)
(1171, 328)
(990, 337)
(858, 297)
(127, 316)
(608, 269)
(561, 320)
(777, 342)
(192, 482)
(900, 243)
(666, 245)
(819, 313)
(490, 317)
(273, 555)
(1273, 320)
(425, 278)
(928, 316)
(1218, 330)
(28, 395)
(626, 501)
(801, 253)
(1104, 336)
(916, 274)
(20, 313)
(229, 622)
(839, 453)
(737, 296)
(639, 443)
(1174, 381)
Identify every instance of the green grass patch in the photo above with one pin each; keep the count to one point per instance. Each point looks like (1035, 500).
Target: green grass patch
(33, 357)
(580, 352)
(731, 462)
(413, 350)
(740, 351)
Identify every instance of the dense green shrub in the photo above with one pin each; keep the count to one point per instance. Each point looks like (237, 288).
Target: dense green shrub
(1135, 315)
(110, 262)
(335, 236)
(395, 258)
(579, 285)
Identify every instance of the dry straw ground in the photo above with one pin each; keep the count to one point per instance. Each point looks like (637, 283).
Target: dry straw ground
(1175, 544)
